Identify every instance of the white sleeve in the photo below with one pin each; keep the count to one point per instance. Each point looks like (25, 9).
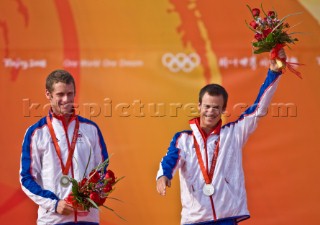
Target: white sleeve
(248, 121)
(30, 172)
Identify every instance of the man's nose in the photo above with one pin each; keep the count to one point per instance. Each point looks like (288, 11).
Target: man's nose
(65, 98)
(213, 110)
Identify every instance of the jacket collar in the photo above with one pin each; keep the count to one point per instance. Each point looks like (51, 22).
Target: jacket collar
(61, 117)
(196, 122)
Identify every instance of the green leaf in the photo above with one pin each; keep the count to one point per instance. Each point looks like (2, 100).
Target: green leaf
(295, 33)
(102, 165)
(270, 38)
(93, 203)
(259, 51)
(276, 14)
(262, 49)
(115, 199)
(75, 187)
(118, 180)
(259, 44)
(114, 212)
(250, 10)
(292, 14)
(85, 171)
(263, 10)
(283, 19)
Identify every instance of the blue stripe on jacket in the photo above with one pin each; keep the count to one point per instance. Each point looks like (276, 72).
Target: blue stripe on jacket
(270, 79)
(104, 151)
(27, 179)
(171, 159)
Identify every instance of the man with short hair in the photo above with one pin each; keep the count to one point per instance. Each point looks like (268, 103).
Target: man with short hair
(60, 144)
(209, 157)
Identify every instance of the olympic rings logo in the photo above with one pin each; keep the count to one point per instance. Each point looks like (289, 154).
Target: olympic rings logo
(181, 61)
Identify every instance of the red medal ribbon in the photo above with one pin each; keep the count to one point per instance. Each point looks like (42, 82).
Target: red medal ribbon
(65, 168)
(208, 176)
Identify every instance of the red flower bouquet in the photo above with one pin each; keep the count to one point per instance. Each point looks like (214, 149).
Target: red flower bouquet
(92, 191)
(271, 34)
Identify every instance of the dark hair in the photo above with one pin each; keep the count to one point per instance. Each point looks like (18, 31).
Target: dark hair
(59, 76)
(214, 90)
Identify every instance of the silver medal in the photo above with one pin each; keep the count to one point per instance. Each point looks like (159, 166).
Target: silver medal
(208, 189)
(64, 181)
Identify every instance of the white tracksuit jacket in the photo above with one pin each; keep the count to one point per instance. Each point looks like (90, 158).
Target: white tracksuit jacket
(229, 199)
(40, 169)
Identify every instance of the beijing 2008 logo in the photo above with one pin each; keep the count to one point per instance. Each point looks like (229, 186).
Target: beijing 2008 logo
(180, 61)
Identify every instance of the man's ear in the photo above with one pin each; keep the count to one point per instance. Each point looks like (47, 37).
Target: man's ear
(224, 110)
(48, 95)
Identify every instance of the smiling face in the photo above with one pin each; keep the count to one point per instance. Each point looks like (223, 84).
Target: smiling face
(61, 98)
(211, 109)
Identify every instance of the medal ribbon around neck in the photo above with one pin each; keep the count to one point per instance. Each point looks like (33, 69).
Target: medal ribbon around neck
(208, 177)
(65, 168)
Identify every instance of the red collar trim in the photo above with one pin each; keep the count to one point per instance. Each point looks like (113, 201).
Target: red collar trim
(215, 130)
(61, 117)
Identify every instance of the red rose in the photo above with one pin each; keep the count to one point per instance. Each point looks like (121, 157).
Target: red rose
(265, 20)
(94, 196)
(258, 36)
(82, 183)
(266, 32)
(101, 201)
(95, 176)
(107, 188)
(71, 200)
(271, 14)
(253, 24)
(110, 177)
(255, 12)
